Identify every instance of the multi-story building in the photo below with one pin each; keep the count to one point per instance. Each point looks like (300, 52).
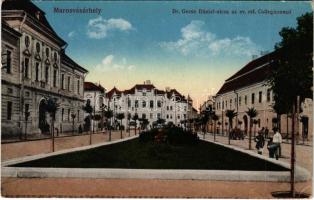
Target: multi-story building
(249, 88)
(36, 68)
(94, 93)
(149, 102)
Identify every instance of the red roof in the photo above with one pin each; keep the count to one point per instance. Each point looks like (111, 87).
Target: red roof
(114, 90)
(89, 86)
(255, 71)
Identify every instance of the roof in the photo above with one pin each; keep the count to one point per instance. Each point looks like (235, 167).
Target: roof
(5, 26)
(255, 71)
(67, 59)
(31, 9)
(114, 90)
(89, 86)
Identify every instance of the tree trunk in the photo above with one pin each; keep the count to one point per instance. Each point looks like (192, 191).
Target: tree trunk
(121, 128)
(90, 132)
(25, 130)
(287, 128)
(250, 135)
(53, 135)
(110, 130)
(229, 132)
(292, 161)
(214, 131)
(135, 127)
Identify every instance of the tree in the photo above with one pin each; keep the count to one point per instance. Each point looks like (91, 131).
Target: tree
(109, 114)
(89, 110)
(230, 114)
(73, 117)
(203, 121)
(129, 118)
(51, 107)
(135, 118)
(144, 123)
(292, 79)
(252, 113)
(102, 111)
(120, 116)
(215, 118)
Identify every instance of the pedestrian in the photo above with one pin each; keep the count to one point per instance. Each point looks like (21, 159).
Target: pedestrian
(266, 133)
(277, 139)
(260, 141)
(271, 147)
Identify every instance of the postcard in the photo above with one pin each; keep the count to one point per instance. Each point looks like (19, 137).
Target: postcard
(156, 99)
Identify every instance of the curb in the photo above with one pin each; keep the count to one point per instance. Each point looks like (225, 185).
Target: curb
(108, 173)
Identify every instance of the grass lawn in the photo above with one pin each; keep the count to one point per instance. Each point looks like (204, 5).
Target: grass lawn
(134, 154)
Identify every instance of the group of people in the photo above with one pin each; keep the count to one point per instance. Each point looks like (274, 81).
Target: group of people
(273, 145)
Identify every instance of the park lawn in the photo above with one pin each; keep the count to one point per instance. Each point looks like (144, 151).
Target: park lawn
(134, 154)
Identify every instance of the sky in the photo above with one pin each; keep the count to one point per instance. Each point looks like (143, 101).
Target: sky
(130, 42)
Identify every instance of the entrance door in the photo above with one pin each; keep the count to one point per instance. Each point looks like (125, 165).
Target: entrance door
(42, 121)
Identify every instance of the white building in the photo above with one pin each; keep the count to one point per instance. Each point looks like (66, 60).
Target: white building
(35, 68)
(248, 88)
(149, 102)
(95, 93)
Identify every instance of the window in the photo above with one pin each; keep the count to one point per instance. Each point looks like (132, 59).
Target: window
(151, 115)
(159, 104)
(54, 78)
(78, 115)
(184, 116)
(62, 114)
(170, 116)
(144, 104)
(9, 111)
(235, 102)
(46, 74)
(69, 114)
(230, 103)
(253, 98)
(167, 107)
(62, 81)
(144, 94)
(10, 90)
(69, 82)
(37, 72)
(158, 115)
(8, 61)
(151, 104)
(26, 66)
(245, 100)
(129, 103)
(143, 116)
(167, 116)
(78, 86)
(239, 101)
(170, 107)
(260, 97)
(178, 116)
(268, 95)
(223, 105)
(136, 103)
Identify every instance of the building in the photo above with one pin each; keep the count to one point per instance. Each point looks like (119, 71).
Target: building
(36, 68)
(148, 102)
(94, 93)
(248, 88)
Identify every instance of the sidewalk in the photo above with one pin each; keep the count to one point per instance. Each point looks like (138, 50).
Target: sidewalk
(28, 148)
(304, 153)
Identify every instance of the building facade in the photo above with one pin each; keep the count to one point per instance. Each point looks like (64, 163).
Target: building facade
(36, 68)
(248, 88)
(95, 94)
(148, 102)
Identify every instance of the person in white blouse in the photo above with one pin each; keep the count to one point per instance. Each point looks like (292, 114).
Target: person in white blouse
(277, 139)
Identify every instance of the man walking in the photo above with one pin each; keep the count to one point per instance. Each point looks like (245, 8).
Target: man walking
(277, 139)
